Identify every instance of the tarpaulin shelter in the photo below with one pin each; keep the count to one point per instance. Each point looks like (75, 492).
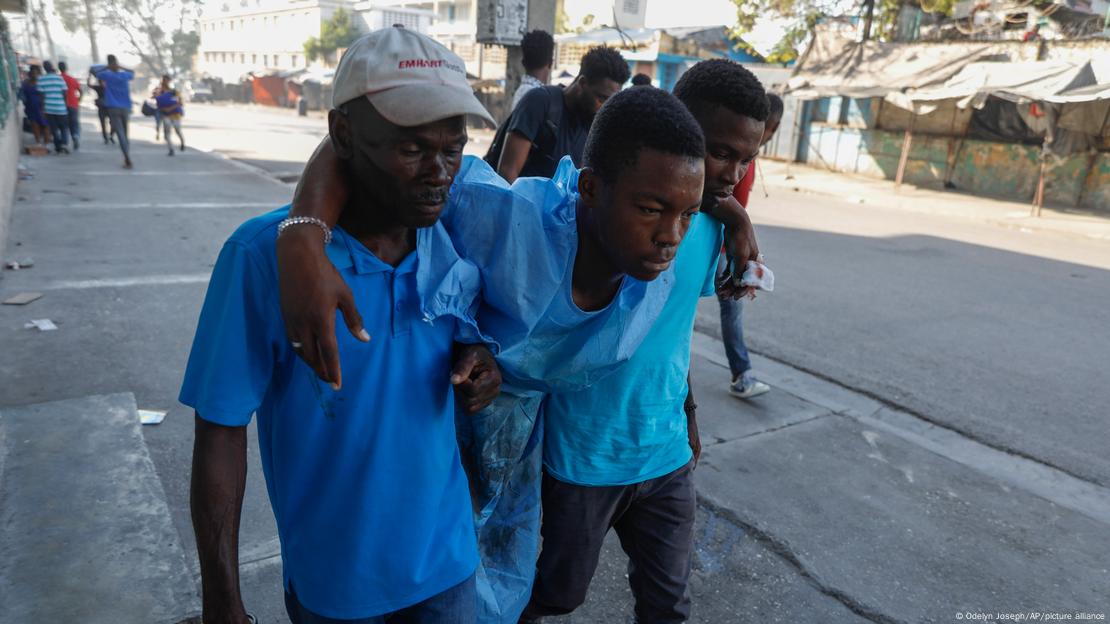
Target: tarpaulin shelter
(1006, 95)
(1013, 81)
(834, 65)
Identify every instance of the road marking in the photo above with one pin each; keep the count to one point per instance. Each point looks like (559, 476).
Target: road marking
(126, 282)
(167, 172)
(1087, 498)
(175, 206)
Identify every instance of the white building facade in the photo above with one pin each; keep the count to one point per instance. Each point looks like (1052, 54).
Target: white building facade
(265, 36)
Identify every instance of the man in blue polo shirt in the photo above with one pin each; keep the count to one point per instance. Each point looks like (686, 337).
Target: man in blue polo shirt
(575, 270)
(117, 99)
(370, 498)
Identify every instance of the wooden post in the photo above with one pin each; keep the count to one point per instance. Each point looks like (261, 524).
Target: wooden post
(907, 141)
(1038, 196)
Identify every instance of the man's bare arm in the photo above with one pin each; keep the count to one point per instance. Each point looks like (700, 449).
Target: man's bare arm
(740, 242)
(310, 287)
(513, 156)
(216, 500)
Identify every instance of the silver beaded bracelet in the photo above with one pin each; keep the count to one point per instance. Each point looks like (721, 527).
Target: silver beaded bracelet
(306, 221)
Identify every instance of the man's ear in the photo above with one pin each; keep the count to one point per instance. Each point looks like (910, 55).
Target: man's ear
(589, 186)
(339, 131)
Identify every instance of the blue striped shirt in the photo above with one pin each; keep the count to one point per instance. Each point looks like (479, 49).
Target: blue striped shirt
(53, 89)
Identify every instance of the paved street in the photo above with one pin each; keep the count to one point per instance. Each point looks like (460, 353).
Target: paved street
(934, 445)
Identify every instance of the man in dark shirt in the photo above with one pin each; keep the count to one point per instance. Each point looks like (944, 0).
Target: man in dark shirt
(550, 123)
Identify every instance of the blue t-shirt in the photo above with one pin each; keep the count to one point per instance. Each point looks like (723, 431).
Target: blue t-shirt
(168, 103)
(372, 505)
(632, 426)
(523, 238)
(117, 87)
(53, 89)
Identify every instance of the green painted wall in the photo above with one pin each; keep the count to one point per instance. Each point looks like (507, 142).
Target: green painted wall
(1003, 170)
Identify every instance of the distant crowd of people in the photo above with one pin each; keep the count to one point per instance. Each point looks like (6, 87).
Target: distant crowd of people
(52, 99)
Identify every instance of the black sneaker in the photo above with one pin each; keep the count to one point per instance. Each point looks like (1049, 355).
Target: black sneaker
(170, 154)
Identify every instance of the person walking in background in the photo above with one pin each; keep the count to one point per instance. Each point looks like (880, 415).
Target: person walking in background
(53, 89)
(117, 98)
(32, 104)
(538, 48)
(170, 108)
(162, 87)
(101, 108)
(551, 122)
(73, 101)
(744, 384)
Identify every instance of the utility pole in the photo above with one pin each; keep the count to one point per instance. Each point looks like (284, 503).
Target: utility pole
(541, 16)
(868, 14)
(504, 22)
(90, 27)
(41, 11)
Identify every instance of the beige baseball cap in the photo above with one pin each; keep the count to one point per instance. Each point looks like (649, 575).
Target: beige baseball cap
(410, 78)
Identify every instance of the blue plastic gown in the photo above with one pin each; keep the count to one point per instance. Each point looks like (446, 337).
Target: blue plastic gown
(523, 240)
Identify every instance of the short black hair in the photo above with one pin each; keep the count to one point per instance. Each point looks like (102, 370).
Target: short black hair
(62, 66)
(641, 80)
(112, 57)
(775, 106)
(48, 67)
(538, 47)
(721, 82)
(635, 119)
(604, 62)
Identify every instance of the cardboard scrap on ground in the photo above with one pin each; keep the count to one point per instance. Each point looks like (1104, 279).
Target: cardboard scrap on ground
(22, 298)
(151, 417)
(41, 324)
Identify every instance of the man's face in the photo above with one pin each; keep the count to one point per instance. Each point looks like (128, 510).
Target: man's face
(731, 142)
(770, 128)
(594, 94)
(644, 213)
(406, 171)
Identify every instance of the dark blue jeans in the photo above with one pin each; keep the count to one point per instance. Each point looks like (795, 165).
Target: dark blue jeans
(654, 520)
(59, 127)
(457, 605)
(74, 119)
(732, 331)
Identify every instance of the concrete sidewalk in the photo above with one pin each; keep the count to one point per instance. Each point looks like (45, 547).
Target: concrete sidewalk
(801, 178)
(817, 503)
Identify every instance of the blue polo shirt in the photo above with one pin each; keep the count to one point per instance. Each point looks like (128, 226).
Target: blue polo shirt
(117, 87)
(631, 427)
(372, 506)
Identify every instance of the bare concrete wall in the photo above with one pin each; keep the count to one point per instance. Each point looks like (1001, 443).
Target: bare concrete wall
(10, 139)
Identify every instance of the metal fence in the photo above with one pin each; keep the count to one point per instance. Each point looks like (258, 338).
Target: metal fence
(9, 73)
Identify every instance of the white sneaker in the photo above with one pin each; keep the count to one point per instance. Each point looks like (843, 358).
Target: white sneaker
(747, 386)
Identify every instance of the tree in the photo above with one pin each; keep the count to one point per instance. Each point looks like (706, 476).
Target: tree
(143, 24)
(183, 48)
(801, 16)
(80, 15)
(339, 31)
